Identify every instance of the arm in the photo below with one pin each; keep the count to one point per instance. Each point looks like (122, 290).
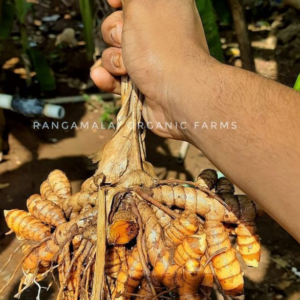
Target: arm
(261, 156)
(166, 55)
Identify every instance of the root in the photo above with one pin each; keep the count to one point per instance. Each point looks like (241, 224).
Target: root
(20, 263)
(84, 255)
(21, 289)
(91, 260)
(40, 289)
(162, 207)
(79, 251)
(141, 250)
(212, 269)
(11, 256)
(143, 296)
(163, 293)
(214, 255)
(108, 288)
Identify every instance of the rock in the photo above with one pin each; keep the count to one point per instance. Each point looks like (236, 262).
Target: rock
(52, 18)
(37, 22)
(289, 33)
(67, 37)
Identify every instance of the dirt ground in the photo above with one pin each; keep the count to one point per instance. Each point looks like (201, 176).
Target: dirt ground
(35, 153)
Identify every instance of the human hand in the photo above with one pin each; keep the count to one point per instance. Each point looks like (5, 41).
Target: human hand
(158, 43)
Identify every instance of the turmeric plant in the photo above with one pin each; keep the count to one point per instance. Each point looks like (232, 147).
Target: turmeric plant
(126, 234)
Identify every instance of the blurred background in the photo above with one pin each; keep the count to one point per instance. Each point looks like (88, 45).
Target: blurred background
(46, 51)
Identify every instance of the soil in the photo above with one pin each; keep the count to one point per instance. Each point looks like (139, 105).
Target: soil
(34, 153)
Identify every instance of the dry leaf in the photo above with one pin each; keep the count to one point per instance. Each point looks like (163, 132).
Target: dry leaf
(10, 63)
(280, 262)
(4, 185)
(20, 71)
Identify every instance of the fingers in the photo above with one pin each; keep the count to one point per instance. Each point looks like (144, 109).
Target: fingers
(112, 29)
(104, 80)
(114, 3)
(112, 61)
(104, 71)
(117, 3)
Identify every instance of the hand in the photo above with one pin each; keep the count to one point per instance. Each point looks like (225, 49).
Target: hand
(158, 43)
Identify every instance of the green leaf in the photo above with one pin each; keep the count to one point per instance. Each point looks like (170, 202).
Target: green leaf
(22, 8)
(208, 18)
(297, 84)
(43, 71)
(86, 97)
(88, 20)
(7, 19)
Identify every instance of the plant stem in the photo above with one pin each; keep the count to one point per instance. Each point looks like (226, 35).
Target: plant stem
(98, 285)
(87, 18)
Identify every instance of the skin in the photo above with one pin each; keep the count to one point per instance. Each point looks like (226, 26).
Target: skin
(166, 55)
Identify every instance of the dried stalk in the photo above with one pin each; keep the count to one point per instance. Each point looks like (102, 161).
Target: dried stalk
(98, 286)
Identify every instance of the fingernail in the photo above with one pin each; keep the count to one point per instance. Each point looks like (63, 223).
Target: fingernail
(116, 60)
(116, 34)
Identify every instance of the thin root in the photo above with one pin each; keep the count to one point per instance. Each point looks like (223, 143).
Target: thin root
(162, 207)
(141, 250)
(11, 256)
(212, 269)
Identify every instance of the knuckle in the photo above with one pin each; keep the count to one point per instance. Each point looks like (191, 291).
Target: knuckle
(110, 26)
(106, 53)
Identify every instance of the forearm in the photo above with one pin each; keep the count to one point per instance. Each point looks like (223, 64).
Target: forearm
(164, 54)
(262, 155)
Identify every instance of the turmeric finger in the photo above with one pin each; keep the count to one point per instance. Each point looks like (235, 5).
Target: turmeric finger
(248, 241)
(76, 202)
(123, 228)
(129, 277)
(246, 213)
(191, 247)
(47, 193)
(207, 179)
(226, 265)
(45, 210)
(186, 225)
(26, 226)
(163, 219)
(113, 262)
(60, 184)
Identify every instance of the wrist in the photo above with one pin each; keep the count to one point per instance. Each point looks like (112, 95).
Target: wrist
(192, 101)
